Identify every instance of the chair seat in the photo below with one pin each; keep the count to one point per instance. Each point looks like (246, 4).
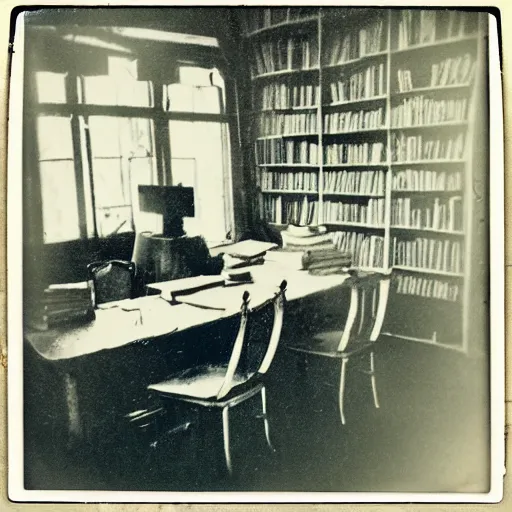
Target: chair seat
(202, 385)
(326, 344)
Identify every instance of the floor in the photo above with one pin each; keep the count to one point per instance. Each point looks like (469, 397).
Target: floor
(429, 434)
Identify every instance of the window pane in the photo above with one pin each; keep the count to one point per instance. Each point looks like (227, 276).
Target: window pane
(51, 87)
(199, 152)
(54, 138)
(109, 186)
(200, 90)
(60, 209)
(118, 136)
(114, 220)
(119, 87)
(122, 159)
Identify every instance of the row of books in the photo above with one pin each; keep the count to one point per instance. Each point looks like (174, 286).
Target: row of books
(366, 250)
(415, 147)
(286, 54)
(427, 253)
(297, 180)
(426, 287)
(453, 70)
(440, 214)
(421, 110)
(457, 70)
(423, 27)
(354, 182)
(282, 96)
(287, 124)
(420, 180)
(364, 153)
(358, 44)
(283, 210)
(256, 19)
(279, 151)
(370, 213)
(351, 121)
(364, 84)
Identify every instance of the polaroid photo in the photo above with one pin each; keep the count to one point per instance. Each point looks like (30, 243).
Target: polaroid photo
(254, 253)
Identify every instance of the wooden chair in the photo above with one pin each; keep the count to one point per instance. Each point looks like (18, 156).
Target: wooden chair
(112, 280)
(368, 301)
(225, 386)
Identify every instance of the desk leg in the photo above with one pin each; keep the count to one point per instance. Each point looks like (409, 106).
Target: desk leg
(75, 430)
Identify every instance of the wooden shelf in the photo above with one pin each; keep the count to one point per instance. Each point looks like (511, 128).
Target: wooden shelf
(428, 271)
(376, 227)
(429, 162)
(352, 194)
(434, 44)
(287, 136)
(355, 132)
(429, 230)
(298, 166)
(446, 124)
(355, 102)
(284, 72)
(381, 165)
(295, 192)
(286, 109)
(358, 60)
(284, 24)
(431, 89)
(450, 192)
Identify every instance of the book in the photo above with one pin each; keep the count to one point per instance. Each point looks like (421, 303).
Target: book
(249, 249)
(236, 276)
(233, 262)
(169, 290)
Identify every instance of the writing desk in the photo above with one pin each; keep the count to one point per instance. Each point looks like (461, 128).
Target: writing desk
(149, 317)
(96, 369)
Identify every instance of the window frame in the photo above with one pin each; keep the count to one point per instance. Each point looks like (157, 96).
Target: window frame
(74, 109)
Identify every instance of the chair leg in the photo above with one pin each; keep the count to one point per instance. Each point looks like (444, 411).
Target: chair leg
(265, 417)
(302, 365)
(374, 381)
(342, 388)
(225, 432)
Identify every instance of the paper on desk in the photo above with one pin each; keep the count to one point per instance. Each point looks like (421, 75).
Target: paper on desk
(170, 289)
(229, 298)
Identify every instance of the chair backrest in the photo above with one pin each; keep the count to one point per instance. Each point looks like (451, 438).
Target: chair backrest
(278, 302)
(368, 302)
(112, 280)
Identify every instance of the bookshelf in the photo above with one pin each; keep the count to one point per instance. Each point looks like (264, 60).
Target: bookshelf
(364, 120)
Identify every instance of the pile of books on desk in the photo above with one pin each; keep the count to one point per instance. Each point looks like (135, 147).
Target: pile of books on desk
(314, 249)
(64, 304)
(246, 254)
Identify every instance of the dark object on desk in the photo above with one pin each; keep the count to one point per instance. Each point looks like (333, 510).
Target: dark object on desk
(112, 280)
(159, 258)
(225, 386)
(173, 203)
(368, 301)
(63, 304)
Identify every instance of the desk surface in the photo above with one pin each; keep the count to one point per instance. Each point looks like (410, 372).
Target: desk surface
(129, 321)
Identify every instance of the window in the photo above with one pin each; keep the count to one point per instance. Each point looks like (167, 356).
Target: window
(101, 136)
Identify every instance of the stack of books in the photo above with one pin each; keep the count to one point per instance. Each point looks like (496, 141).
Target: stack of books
(65, 304)
(302, 238)
(246, 254)
(326, 262)
(319, 254)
